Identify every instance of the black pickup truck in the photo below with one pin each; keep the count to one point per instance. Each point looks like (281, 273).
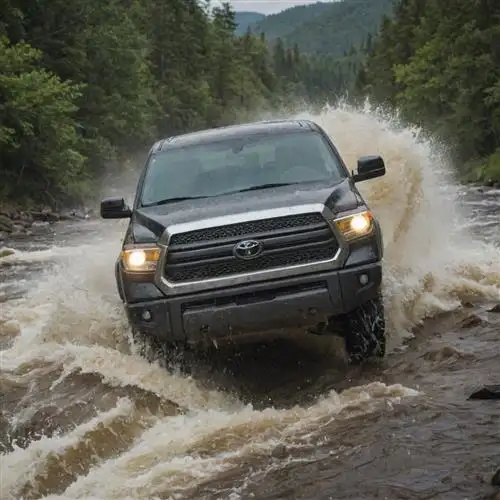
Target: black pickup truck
(247, 231)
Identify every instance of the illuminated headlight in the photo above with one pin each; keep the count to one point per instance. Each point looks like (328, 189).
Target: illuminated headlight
(356, 225)
(140, 259)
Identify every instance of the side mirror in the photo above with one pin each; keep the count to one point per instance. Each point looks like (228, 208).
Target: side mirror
(115, 208)
(369, 167)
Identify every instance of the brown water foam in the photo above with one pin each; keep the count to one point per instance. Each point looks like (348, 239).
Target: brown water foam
(432, 264)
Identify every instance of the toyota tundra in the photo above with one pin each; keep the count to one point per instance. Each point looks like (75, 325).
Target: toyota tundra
(247, 231)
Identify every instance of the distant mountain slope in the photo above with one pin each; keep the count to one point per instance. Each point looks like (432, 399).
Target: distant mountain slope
(283, 23)
(345, 24)
(245, 19)
(326, 28)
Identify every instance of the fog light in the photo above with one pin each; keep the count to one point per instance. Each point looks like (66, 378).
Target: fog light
(146, 315)
(363, 279)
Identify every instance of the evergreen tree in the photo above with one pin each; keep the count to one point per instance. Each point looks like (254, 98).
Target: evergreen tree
(439, 64)
(86, 84)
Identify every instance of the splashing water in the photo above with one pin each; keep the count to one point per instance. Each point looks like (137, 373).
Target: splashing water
(71, 326)
(431, 264)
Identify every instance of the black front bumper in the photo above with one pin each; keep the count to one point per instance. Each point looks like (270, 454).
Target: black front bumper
(278, 305)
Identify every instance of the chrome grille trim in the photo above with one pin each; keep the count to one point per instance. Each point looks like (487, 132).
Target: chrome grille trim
(174, 288)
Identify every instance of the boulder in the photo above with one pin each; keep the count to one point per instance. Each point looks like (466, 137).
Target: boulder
(486, 392)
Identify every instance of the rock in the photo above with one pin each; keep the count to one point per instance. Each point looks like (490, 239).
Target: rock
(72, 214)
(446, 353)
(26, 217)
(495, 480)
(46, 215)
(5, 252)
(6, 224)
(77, 214)
(472, 321)
(487, 392)
(495, 309)
(22, 223)
(66, 215)
(22, 234)
(39, 224)
(18, 227)
(496, 185)
(280, 451)
(18, 223)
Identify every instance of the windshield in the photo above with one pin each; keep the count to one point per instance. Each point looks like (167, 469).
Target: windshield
(228, 166)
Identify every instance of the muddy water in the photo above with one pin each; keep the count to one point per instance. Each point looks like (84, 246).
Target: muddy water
(84, 416)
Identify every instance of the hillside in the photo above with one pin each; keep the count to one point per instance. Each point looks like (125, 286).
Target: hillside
(344, 25)
(326, 28)
(285, 22)
(245, 19)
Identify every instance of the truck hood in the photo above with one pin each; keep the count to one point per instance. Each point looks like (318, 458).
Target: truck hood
(148, 224)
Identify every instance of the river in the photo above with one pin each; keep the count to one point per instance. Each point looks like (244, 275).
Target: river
(84, 416)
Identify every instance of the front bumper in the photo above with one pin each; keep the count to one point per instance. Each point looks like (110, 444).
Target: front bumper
(298, 302)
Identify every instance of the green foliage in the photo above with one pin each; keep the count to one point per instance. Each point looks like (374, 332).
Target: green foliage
(39, 148)
(487, 170)
(86, 84)
(438, 63)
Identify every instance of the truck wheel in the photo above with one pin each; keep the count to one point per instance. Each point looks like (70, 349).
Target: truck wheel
(364, 329)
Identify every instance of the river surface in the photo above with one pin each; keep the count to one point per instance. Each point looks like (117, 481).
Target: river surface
(85, 416)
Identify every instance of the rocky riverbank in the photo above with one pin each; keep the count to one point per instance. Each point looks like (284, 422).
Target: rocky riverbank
(491, 183)
(20, 223)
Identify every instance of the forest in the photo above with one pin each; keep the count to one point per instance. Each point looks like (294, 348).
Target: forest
(86, 86)
(438, 63)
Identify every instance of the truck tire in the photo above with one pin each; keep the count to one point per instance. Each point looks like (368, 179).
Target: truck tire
(364, 331)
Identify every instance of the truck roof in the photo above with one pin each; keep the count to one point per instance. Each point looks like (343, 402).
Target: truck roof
(234, 131)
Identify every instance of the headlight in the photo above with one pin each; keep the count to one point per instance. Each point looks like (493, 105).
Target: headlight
(356, 225)
(140, 259)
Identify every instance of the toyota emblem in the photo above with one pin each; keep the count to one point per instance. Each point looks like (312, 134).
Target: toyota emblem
(248, 249)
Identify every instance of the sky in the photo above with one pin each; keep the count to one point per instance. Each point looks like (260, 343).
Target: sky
(268, 6)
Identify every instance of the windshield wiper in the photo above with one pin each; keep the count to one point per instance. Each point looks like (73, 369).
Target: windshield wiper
(173, 200)
(265, 186)
(252, 188)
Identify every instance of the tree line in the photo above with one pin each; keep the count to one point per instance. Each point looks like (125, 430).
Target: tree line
(439, 64)
(86, 84)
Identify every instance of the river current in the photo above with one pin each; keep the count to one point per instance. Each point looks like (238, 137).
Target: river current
(85, 416)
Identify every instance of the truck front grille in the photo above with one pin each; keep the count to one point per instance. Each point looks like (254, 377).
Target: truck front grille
(287, 241)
